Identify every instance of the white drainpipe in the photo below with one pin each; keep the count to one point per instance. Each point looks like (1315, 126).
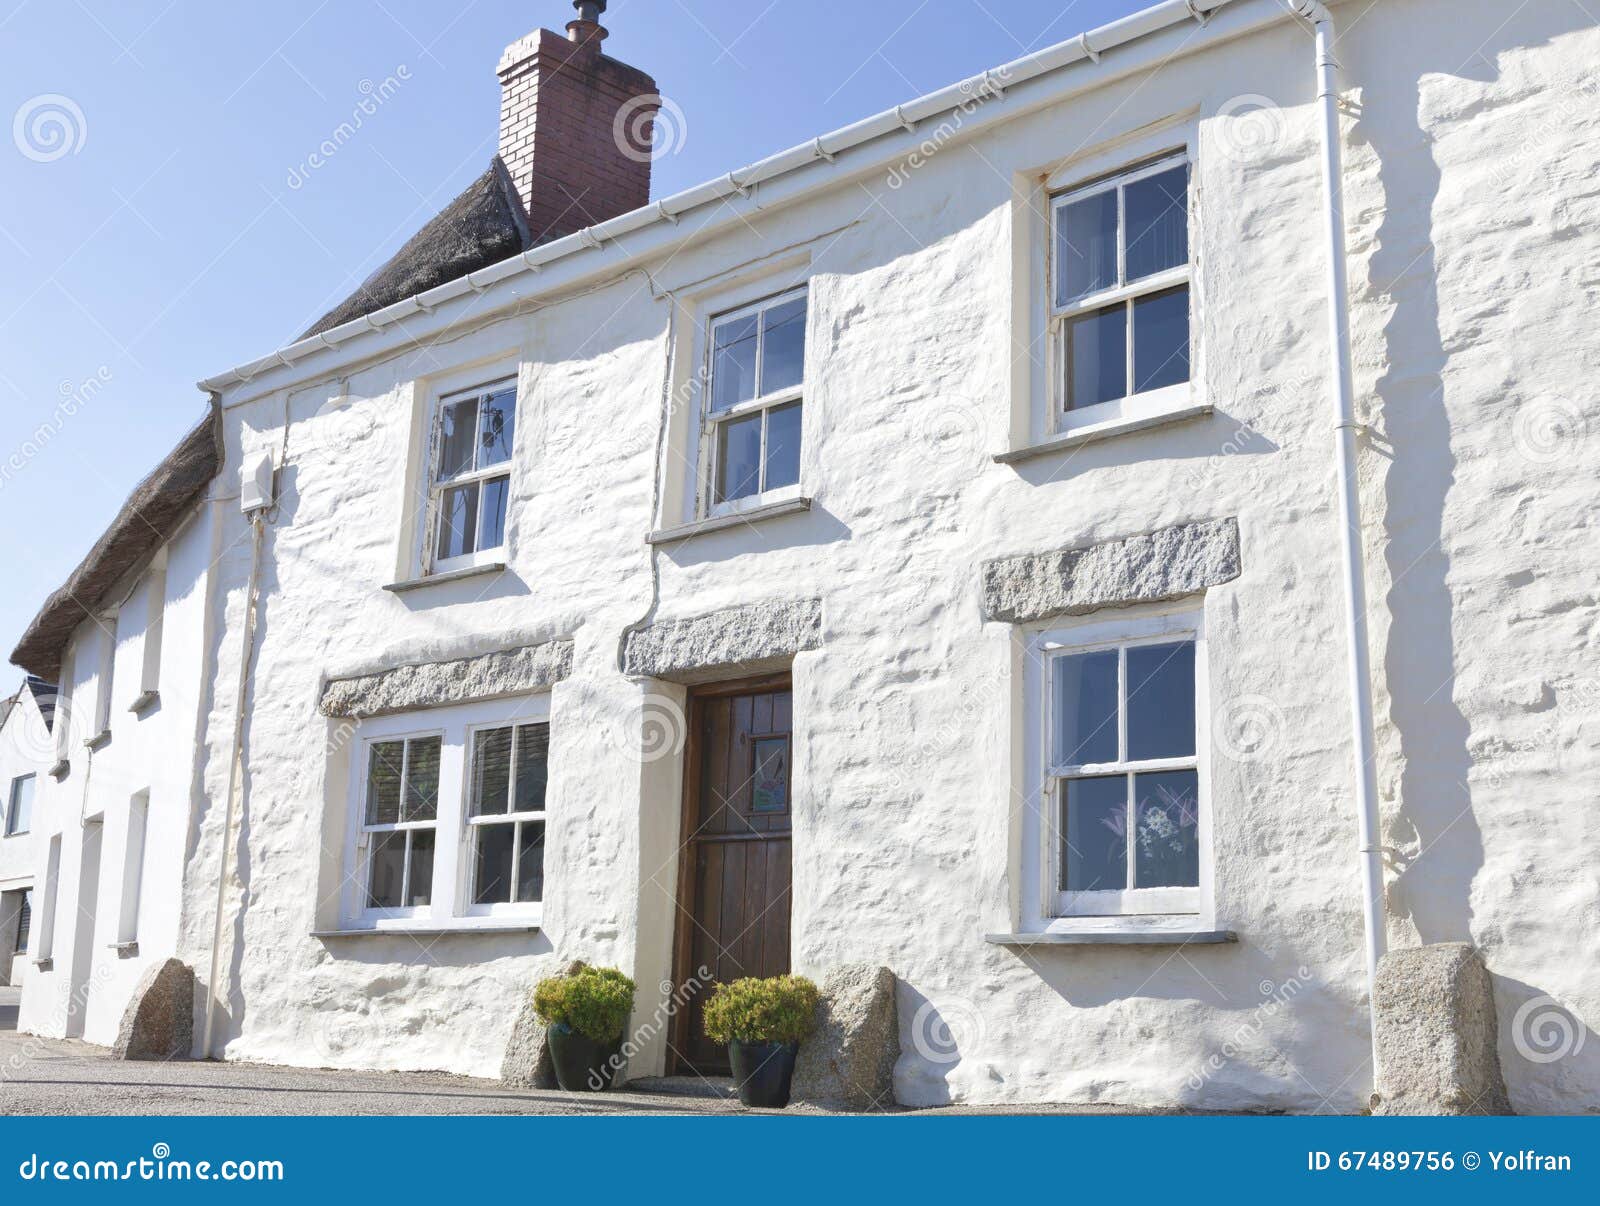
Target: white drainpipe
(1347, 433)
(255, 507)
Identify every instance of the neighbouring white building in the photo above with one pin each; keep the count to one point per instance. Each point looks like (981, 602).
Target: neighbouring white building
(25, 744)
(922, 549)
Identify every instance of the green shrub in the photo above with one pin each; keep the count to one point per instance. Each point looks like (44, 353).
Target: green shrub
(593, 1001)
(782, 1009)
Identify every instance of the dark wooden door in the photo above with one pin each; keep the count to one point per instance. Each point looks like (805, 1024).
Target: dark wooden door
(736, 874)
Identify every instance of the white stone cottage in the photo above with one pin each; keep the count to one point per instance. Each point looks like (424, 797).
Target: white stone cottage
(24, 746)
(925, 548)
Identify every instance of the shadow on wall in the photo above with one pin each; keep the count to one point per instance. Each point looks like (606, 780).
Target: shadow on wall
(1550, 1058)
(1436, 823)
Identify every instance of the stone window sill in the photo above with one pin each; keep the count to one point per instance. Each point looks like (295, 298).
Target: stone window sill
(44, 964)
(721, 523)
(1101, 431)
(125, 950)
(1121, 937)
(145, 702)
(432, 929)
(99, 741)
(60, 770)
(460, 575)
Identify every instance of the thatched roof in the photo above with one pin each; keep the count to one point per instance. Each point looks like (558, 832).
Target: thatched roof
(482, 226)
(154, 511)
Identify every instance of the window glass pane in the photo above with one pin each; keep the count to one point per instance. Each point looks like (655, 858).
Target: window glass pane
(458, 432)
(533, 767)
(458, 521)
(386, 881)
(1094, 834)
(1157, 209)
(1161, 339)
(491, 772)
(497, 426)
(385, 766)
(20, 816)
(770, 790)
(783, 350)
(739, 458)
(783, 446)
(1161, 701)
(733, 362)
(495, 494)
(1086, 708)
(530, 867)
(492, 876)
(1167, 845)
(420, 893)
(1097, 357)
(422, 780)
(1086, 246)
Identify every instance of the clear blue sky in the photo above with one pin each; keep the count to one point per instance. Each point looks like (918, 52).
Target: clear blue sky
(169, 245)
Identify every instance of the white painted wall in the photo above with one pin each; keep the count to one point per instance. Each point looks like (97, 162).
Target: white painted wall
(24, 750)
(1472, 226)
(89, 981)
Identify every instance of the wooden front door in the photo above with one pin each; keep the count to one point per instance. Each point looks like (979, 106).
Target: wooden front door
(734, 893)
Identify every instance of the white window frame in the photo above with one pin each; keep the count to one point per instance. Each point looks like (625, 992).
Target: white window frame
(44, 945)
(475, 825)
(133, 851)
(106, 675)
(13, 800)
(368, 834)
(1046, 908)
(711, 424)
(438, 487)
(450, 905)
(1132, 406)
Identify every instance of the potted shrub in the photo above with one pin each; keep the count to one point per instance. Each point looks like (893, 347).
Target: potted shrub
(763, 1023)
(586, 1011)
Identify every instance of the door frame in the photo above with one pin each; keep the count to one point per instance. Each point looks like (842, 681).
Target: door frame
(682, 933)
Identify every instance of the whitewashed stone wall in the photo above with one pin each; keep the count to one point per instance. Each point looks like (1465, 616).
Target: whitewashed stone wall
(24, 750)
(1473, 227)
(85, 988)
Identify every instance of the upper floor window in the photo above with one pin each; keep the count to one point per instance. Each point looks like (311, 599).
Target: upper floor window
(19, 806)
(755, 380)
(1120, 295)
(471, 480)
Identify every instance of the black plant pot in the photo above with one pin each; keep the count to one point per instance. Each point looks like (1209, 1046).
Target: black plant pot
(583, 1065)
(763, 1072)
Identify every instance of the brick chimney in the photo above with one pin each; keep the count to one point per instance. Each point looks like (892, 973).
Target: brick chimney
(575, 127)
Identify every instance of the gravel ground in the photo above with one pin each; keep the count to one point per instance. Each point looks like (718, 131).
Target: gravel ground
(63, 1076)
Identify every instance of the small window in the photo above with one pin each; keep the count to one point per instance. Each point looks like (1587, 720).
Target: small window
(754, 406)
(24, 922)
(19, 806)
(133, 869)
(473, 441)
(50, 901)
(510, 771)
(1121, 290)
(105, 688)
(1123, 777)
(400, 816)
